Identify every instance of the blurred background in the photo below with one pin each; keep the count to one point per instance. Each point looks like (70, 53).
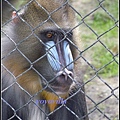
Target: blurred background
(98, 33)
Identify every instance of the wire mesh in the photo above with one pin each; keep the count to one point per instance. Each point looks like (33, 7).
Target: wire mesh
(101, 92)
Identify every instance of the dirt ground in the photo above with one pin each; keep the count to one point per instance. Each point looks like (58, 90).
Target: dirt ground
(103, 92)
(104, 98)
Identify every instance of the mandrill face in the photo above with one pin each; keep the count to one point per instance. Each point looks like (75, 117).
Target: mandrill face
(58, 59)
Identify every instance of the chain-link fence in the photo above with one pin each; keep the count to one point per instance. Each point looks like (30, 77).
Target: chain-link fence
(96, 30)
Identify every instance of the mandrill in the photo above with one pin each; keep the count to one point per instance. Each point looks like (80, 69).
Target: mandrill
(41, 74)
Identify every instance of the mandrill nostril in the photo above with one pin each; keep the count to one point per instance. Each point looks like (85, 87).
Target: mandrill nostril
(66, 74)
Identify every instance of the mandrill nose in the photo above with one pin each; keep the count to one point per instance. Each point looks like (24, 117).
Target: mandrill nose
(65, 76)
(62, 81)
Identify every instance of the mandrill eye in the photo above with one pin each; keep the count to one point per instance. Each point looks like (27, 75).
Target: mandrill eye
(49, 35)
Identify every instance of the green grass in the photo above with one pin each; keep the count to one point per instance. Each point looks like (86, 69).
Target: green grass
(100, 23)
(104, 57)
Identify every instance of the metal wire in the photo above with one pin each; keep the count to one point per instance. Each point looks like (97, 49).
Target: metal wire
(96, 74)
